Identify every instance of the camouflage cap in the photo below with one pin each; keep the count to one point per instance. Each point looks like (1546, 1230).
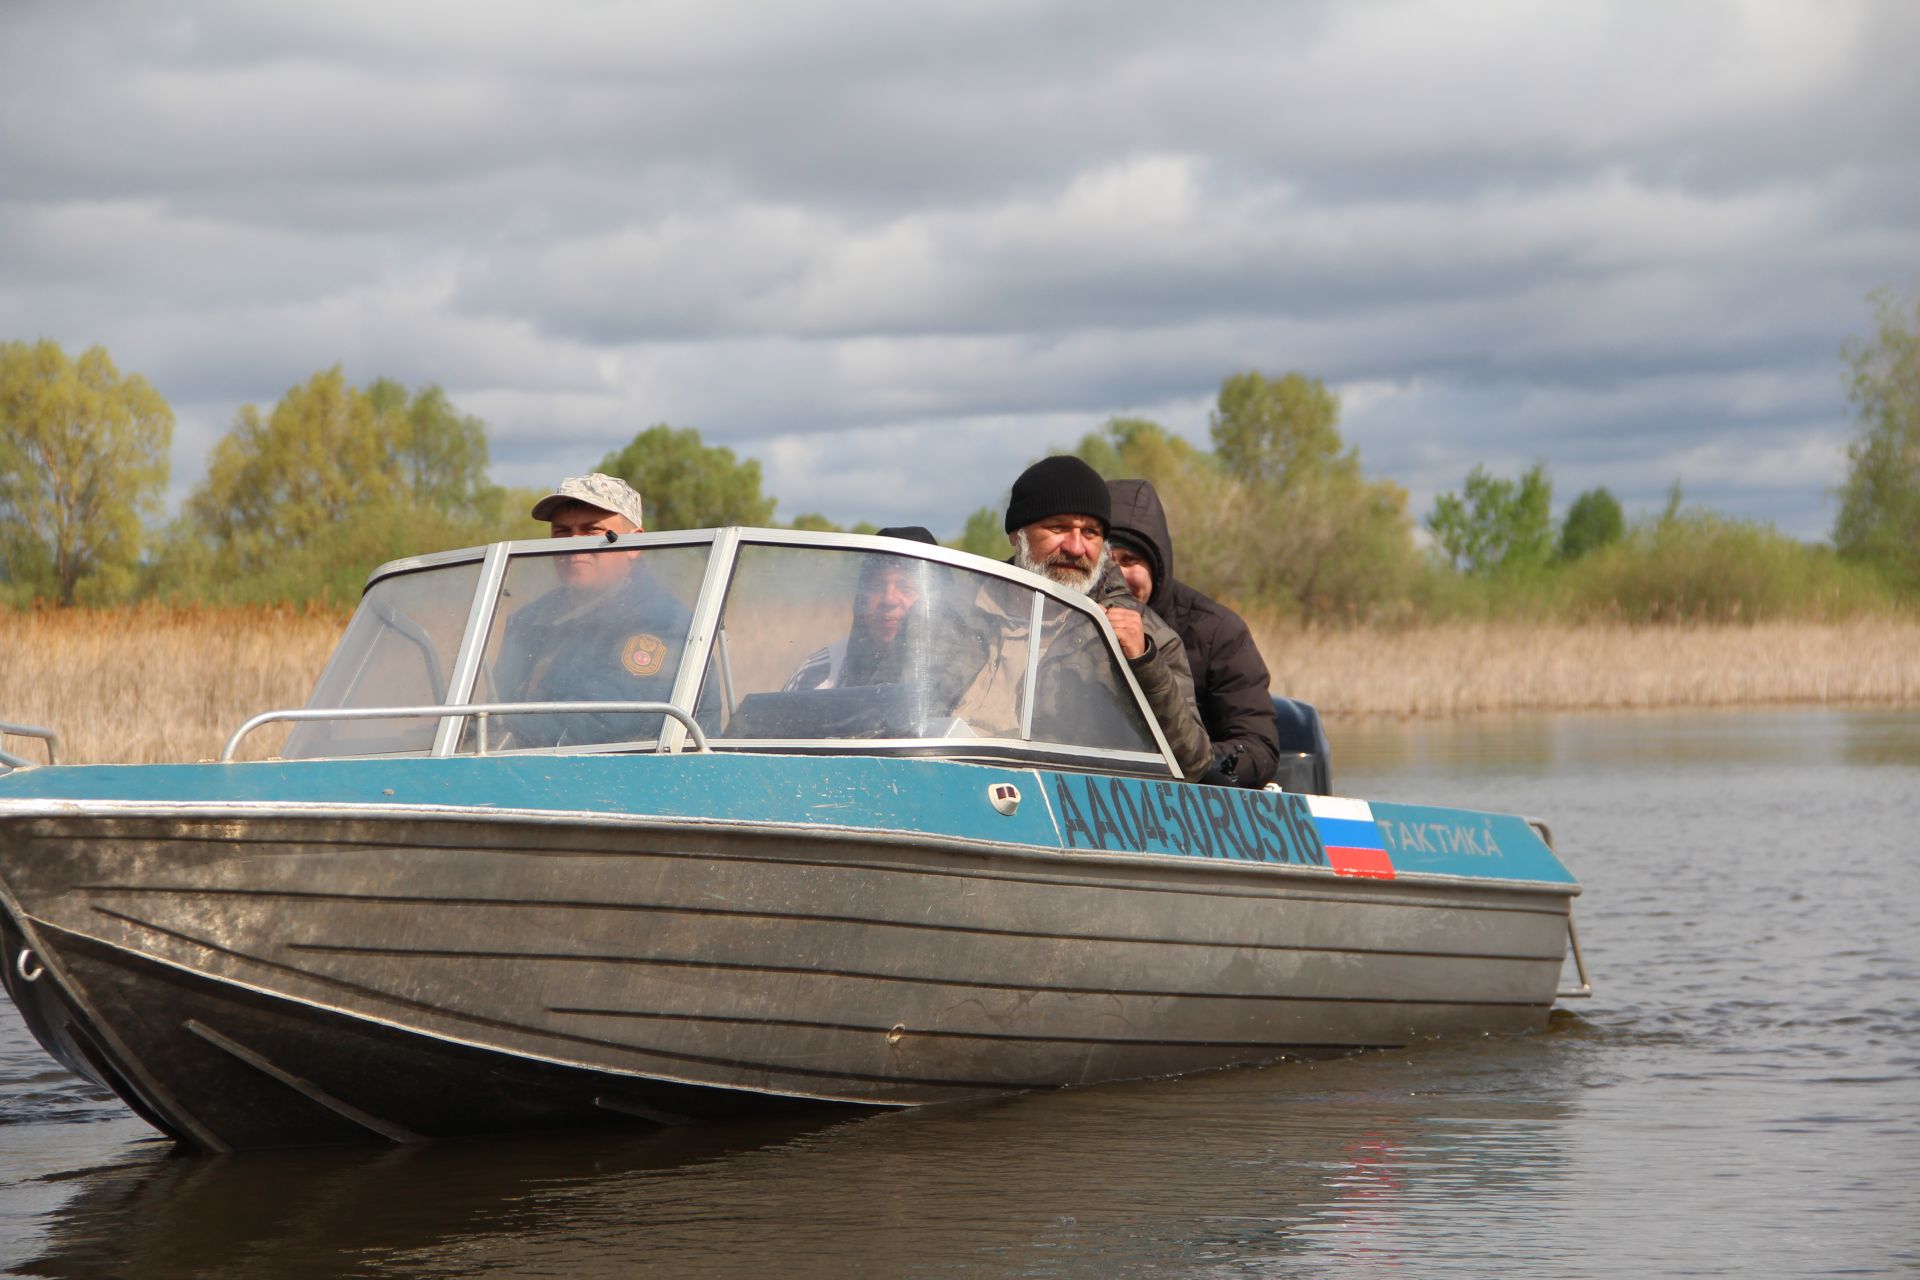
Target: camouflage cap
(609, 493)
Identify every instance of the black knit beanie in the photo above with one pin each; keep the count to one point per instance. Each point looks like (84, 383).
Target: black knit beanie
(911, 532)
(1058, 486)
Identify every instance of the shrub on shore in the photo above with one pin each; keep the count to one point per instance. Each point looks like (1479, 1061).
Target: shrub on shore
(1681, 568)
(1704, 567)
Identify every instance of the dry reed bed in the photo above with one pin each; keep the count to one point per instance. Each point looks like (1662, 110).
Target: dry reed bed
(1456, 669)
(154, 683)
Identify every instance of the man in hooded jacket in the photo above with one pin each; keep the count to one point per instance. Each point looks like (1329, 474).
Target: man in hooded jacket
(1229, 677)
(1057, 520)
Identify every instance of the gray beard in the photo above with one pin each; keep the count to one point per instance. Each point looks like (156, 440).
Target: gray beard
(1071, 579)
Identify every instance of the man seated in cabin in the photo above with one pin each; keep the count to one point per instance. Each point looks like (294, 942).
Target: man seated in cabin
(889, 612)
(1057, 522)
(912, 649)
(609, 631)
(1229, 678)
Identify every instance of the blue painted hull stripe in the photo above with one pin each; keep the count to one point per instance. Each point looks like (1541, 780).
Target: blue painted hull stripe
(1070, 812)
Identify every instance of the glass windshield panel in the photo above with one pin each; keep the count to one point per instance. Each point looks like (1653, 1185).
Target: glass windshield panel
(1082, 697)
(398, 652)
(826, 643)
(823, 643)
(601, 625)
(993, 627)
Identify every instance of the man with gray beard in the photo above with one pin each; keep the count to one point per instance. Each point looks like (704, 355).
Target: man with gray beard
(1057, 523)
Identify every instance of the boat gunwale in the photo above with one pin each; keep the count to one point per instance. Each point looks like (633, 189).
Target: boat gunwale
(487, 815)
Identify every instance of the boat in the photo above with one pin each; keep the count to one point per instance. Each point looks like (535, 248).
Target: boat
(666, 827)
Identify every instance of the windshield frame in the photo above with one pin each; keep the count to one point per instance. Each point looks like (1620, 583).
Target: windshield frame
(723, 558)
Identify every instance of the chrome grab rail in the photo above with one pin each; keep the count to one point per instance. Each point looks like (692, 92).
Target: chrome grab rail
(1585, 989)
(478, 710)
(47, 736)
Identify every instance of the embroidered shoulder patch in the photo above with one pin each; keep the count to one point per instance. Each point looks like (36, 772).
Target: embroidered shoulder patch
(644, 655)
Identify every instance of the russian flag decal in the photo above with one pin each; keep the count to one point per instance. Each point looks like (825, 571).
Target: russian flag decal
(1347, 829)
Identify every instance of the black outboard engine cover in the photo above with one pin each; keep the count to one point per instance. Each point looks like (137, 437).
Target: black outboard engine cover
(1306, 761)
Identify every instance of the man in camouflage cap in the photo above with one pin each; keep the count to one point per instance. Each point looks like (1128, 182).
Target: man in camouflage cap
(608, 495)
(609, 631)
(592, 504)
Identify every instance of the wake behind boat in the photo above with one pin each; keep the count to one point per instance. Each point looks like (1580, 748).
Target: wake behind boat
(675, 826)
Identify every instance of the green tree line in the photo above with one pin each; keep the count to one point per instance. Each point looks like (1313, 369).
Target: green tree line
(302, 499)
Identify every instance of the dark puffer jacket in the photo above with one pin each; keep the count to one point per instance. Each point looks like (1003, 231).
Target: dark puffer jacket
(1163, 677)
(1229, 677)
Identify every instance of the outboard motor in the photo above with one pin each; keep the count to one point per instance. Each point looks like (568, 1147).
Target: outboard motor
(1306, 761)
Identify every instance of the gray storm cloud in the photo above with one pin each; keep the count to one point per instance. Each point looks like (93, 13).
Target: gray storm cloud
(897, 251)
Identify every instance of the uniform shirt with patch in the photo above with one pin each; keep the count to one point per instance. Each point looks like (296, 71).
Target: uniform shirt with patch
(619, 644)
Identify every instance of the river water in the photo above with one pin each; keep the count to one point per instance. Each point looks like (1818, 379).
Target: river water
(1741, 1097)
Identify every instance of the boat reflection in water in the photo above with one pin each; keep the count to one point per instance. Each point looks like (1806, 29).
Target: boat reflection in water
(563, 845)
(1335, 1163)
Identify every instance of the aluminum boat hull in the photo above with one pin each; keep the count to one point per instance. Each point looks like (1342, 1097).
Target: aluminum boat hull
(421, 948)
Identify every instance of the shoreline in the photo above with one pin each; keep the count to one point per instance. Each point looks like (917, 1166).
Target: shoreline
(1451, 669)
(1349, 716)
(151, 683)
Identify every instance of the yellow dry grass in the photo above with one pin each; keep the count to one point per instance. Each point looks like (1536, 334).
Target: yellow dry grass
(1456, 669)
(152, 683)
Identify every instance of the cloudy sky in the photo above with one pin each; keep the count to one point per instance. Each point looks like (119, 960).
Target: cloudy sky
(894, 251)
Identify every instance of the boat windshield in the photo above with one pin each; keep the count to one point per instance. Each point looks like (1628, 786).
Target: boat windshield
(603, 625)
(399, 651)
(811, 641)
(827, 643)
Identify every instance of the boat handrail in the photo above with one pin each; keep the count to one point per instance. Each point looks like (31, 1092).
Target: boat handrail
(480, 711)
(48, 736)
(1585, 989)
